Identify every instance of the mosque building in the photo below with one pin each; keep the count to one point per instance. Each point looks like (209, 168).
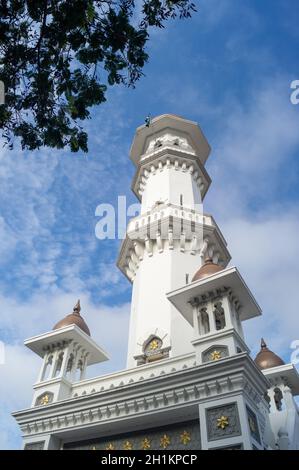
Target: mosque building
(190, 382)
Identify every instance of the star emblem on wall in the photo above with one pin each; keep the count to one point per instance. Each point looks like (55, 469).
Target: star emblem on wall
(154, 344)
(146, 443)
(110, 446)
(222, 422)
(164, 441)
(128, 445)
(215, 355)
(185, 437)
(44, 400)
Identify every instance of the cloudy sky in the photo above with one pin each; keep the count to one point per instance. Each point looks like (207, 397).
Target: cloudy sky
(229, 68)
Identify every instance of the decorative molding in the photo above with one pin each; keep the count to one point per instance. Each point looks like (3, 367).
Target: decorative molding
(169, 227)
(188, 386)
(178, 436)
(167, 158)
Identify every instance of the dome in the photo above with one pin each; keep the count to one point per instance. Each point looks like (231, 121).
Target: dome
(206, 270)
(73, 319)
(266, 359)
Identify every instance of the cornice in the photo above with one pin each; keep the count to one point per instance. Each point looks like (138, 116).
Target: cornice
(193, 385)
(166, 157)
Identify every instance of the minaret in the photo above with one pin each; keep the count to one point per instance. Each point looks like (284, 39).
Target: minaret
(66, 351)
(284, 386)
(169, 239)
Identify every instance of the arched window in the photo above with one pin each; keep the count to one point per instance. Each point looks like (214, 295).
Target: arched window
(58, 364)
(79, 370)
(70, 364)
(267, 398)
(219, 316)
(278, 398)
(47, 367)
(204, 320)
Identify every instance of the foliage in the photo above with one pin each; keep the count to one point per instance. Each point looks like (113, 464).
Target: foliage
(58, 56)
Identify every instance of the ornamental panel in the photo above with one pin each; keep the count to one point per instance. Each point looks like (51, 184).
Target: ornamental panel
(223, 422)
(45, 399)
(214, 353)
(180, 436)
(253, 425)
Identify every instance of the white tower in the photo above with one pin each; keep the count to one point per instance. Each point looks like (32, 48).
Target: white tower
(66, 351)
(167, 237)
(190, 382)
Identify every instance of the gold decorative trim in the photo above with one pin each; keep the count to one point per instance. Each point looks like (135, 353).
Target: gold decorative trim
(222, 422)
(128, 445)
(146, 444)
(110, 446)
(185, 437)
(215, 355)
(164, 441)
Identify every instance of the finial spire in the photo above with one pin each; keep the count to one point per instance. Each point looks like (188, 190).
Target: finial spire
(148, 120)
(77, 308)
(263, 344)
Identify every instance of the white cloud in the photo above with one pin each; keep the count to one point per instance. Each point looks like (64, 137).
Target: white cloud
(251, 167)
(253, 151)
(266, 251)
(17, 376)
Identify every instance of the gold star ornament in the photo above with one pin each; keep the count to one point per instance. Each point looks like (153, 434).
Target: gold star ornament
(128, 445)
(44, 400)
(110, 446)
(222, 422)
(164, 441)
(215, 355)
(185, 438)
(154, 344)
(146, 443)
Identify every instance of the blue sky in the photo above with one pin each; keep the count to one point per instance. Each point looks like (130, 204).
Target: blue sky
(228, 68)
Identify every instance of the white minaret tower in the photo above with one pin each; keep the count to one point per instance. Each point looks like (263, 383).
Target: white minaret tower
(171, 237)
(190, 382)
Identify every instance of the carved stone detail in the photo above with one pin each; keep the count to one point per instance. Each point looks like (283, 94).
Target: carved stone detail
(180, 436)
(210, 354)
(214, 431)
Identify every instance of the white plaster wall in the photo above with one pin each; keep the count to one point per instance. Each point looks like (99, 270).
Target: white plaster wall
(289, 420)
(167, 185)
(150, 308)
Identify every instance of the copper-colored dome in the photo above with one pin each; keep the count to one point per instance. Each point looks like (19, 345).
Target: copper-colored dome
(266, 359)
(73, 319)
(207, 269)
